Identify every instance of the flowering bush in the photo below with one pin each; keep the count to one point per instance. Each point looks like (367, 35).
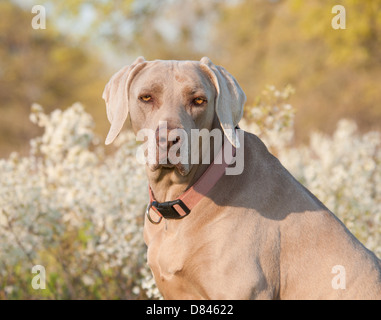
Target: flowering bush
(73, 210)
(79, 212)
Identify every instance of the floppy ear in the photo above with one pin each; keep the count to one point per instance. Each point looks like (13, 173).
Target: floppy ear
(230, 98)
(116, 96)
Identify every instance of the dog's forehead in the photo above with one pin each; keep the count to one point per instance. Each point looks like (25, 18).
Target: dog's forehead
(181, 72)
(173, 65)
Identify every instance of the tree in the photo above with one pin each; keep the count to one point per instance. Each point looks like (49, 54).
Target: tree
(41, 66)
(334, 72)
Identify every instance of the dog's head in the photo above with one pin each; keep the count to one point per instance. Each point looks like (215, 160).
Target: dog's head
(169, 99)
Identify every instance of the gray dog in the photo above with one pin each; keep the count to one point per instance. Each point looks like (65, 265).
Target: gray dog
(256, 235)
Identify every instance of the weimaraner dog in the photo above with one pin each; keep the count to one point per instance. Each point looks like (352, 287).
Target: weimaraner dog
(258, 234)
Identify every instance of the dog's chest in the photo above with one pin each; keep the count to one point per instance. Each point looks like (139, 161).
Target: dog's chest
(164, 255)
(167, 264)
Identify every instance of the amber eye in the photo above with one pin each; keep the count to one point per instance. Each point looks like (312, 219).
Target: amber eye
(146, 98)
(199, 101)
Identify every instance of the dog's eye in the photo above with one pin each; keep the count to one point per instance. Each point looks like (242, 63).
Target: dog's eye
(199, 101)
(145, 98)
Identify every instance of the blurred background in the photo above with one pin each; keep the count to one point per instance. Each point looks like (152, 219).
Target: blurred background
(335, 73)
(76, 207)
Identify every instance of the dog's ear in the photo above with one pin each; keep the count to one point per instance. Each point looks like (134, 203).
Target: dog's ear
(116, 96)
(230, 98)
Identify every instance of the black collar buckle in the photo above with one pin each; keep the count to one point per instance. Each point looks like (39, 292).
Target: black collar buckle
(167, 210)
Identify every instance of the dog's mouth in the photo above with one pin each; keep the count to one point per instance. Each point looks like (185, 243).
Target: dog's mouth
(181, 168)
(167, 162)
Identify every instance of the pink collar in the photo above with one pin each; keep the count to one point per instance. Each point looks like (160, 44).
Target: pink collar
(182, 206)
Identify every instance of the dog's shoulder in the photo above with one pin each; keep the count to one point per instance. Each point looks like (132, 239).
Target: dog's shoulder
(274, 184)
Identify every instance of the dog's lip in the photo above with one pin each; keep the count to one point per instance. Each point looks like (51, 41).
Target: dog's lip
(181, 169)
(178, 167)
(167, 165)
(165, 162)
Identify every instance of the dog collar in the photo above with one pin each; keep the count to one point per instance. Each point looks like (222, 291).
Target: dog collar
(182, 206)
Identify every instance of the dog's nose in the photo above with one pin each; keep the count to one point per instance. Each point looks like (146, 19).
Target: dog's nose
(162, 139)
